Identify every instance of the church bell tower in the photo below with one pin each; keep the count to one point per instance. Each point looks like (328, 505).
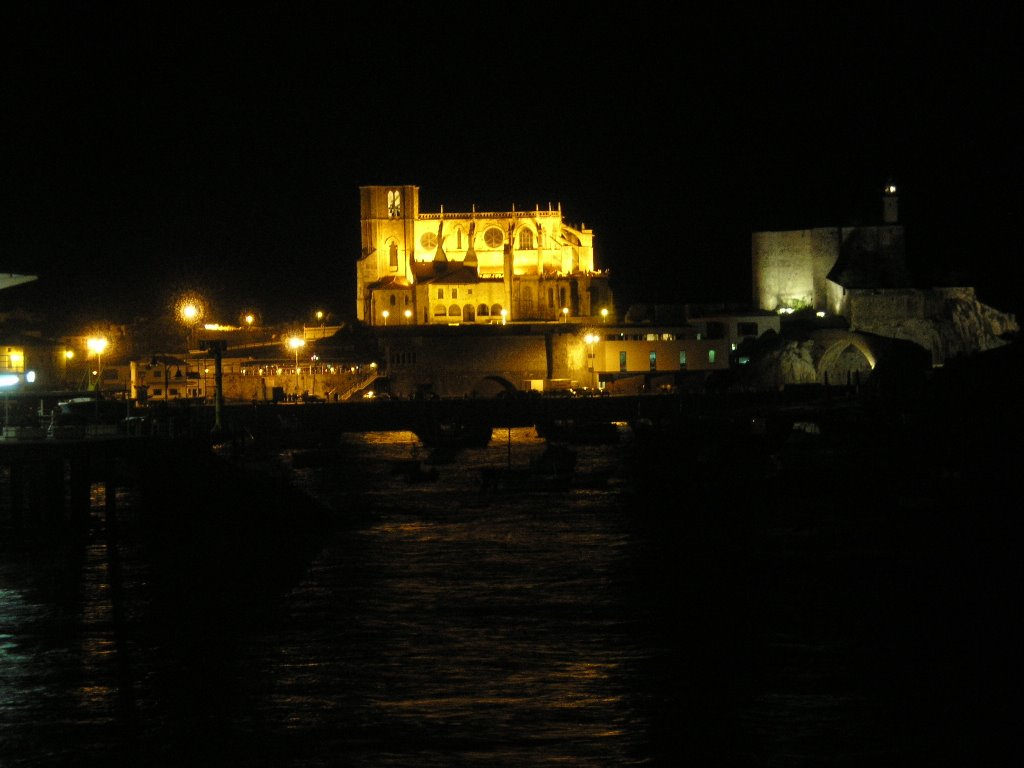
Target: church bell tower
(387, 217)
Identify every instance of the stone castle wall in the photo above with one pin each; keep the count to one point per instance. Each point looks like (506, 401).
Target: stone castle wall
(789, 268)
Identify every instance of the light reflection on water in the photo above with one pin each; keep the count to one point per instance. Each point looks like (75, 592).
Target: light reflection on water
(464, 627)
(444, 627)
(438, 624)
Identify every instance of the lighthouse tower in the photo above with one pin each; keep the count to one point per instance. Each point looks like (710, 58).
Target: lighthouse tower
(890, 204)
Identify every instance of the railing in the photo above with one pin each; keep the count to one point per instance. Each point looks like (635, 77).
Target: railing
(528, 214)
(360, 385)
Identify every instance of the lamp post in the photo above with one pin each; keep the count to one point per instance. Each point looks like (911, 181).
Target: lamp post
(604, 314)
(320, 320)
(312, 372)
(590, 339)
(68, 355)
(504, 315)
(296, 344)
(408, 316)
(565, 314)
(190, 315)
(385, 314)
(96, 345)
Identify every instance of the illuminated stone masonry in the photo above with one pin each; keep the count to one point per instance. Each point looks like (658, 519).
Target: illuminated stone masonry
(476, 267)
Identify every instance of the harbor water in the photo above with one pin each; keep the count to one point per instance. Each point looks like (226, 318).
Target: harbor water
(658, 610)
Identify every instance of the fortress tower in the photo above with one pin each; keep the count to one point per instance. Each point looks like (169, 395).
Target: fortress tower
(813, 268)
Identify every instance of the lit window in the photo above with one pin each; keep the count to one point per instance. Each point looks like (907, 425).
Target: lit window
(711, 356)
(682, 358)
(622, 362)
(526, 240)
(654, 360)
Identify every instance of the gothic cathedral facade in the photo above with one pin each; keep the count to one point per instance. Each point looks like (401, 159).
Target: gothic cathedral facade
(472, 268)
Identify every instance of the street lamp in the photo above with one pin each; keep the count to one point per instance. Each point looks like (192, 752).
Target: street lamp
(604, 314)
(385, 314)
(591, 339)
(96, 345)
(191, 312)
(504, 314)
(565, 314)
(68, 355)
(408, 316)
(296, 344)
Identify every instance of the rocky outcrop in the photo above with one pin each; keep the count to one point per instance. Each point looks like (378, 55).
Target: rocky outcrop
(953, 324)
(792, 362)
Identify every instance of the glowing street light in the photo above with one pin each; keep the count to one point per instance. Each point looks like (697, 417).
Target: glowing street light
(385, 314)
(604, 314)
(68, 356)
(591, 339)
(190, 311)
(504, 316)
(96, 345)
(408, 316)
(296, 344)
(565, 314)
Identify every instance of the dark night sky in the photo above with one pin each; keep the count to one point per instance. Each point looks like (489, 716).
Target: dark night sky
(146, 153)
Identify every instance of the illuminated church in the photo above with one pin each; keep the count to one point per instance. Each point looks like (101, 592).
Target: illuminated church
(478, 267)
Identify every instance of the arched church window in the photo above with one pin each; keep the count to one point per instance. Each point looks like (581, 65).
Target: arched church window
(494, 237)
(391, 299)
(394, 203)
(393, 255)
(526, 240)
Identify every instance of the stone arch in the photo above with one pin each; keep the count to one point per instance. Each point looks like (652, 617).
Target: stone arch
(493, 385)
(482, 310)
(454, 311)
(468, 313)
(846, 360)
